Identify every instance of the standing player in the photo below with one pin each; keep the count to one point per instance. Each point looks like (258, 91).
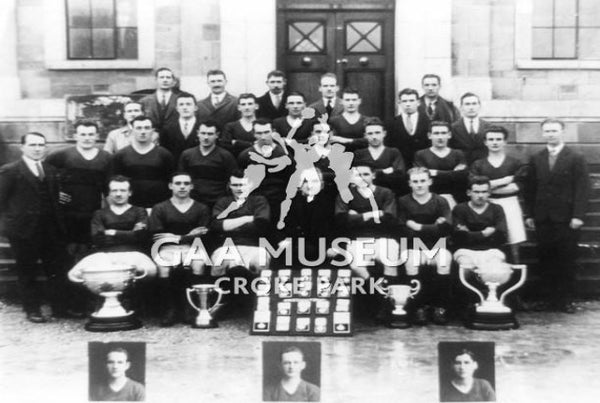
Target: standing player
(239, 135)
(181, 134)
(272, 104)
(120, 138)
(349, 127)
(160, 107)
(468, 133)
(295, 103)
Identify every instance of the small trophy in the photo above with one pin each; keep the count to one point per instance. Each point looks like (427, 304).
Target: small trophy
(398, 296)
(491, 313)
(204, 320)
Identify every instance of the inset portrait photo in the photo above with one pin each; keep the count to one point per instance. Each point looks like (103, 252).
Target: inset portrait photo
(467, 372)
(291, 371)
(117, 371)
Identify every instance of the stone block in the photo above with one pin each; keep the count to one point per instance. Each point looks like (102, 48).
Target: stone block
(588, 132)
(11, 132)
(530, 132)
(539, 92)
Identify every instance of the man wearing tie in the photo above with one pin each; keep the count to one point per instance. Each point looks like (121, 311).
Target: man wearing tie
(219, 105)
(29, 202)
(180, 135)
(433, 105)
(556, 196)
(329, 102)
(272, 104)
(160, 106)
(468, 132)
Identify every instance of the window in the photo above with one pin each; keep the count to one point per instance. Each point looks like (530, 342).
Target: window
(102, 29)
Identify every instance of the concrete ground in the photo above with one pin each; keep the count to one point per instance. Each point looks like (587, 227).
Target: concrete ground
(554, 357)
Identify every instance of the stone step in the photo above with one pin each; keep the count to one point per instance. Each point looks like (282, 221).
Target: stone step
(594, 206)
(592, 219)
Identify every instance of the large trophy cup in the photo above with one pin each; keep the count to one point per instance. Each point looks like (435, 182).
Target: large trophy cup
(204, 320)
(491, 313)
(109, 281)
(398, 296)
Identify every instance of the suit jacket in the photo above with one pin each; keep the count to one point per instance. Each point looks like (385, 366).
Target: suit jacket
(473, 146)
(560, 194)
(267, 110)
(397, 137)
(319, 107)
(152, 110)
(20, 199)
(225, 112)
(173, 139)
(444, 110)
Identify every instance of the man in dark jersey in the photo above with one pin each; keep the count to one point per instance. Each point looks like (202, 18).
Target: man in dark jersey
(209, 165)
(175, 224)
(349, 126)
(428, 221)
(118, 386)
(147, 165)
(295, 103)
(291, 387)
(239, 135)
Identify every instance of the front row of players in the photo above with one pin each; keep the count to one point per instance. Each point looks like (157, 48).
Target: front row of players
(475, 230)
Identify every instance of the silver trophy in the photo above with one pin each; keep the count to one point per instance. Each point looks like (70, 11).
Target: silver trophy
(204, 320)
(399, 296)
(491, 313)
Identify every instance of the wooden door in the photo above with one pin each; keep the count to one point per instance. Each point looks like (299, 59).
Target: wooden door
(355, 45)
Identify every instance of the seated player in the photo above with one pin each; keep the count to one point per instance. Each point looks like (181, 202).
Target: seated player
(176, 223)
(242, 219)
(428, 221)
(295, 103)
(209, 165)
(349, 127)
(181, 134)
(291, 387)
(387, 162)
(147, 165)
(239, 135)
(118, 386)
(446, 166)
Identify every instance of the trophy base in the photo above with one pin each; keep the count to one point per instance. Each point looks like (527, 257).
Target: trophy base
(492, 321)
(108, 324)
(210, 325)
(398, 322)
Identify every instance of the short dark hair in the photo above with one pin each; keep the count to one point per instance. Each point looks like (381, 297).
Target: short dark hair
(237, 173)
(118, 350)
(38, 134)
(328, 75)
(275, 73)
(350, 90)
(292, 349)
(118, 178)
(210, 123)
(430, 75)
(185, 95)
(178, 173)
(438, 123)
(408, 91)
(374, 121)
(464, 351)
(478, 180)
(134, 102)
(141, 118)
(262, 121)
(316, 122)
(247, 95)
(363, 163)
(158, 70)
(418, 170)
(216, 72)
(295, 94)
(553, 120)
(496, 129)
(467, 95)
(86, 123)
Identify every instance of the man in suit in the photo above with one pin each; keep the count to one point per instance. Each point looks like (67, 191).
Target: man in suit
(329, 103)
(468, 133)
(556, 196)
(433, 105)
(272, 104)
(160, 106)
(181, 134)
(219, 105)
(29, 197)
(408, 130)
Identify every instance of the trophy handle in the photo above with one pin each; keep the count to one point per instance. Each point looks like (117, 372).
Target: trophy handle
(218, 302)
(74, 278)
(141, 276)
(188, 292)
(519, 283)
(415, 288)
(461, 274)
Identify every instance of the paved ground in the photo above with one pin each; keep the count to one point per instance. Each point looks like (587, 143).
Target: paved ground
(552, 358)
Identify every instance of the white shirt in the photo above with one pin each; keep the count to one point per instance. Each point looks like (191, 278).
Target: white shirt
(475, 124)
(217, 98)
(414, 117)
(32, 165)
(163, 94)
(554, 150)
(190, 124)
(276, 99)
(326, 101)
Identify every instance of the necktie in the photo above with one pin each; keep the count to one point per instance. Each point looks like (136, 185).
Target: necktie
(329, 108)
(472, 127)
(40, 171)
(186, 128)
(276, 101)
(430, 110)
(551, 159)
(216, 101)
(163, 101)
(409, 124)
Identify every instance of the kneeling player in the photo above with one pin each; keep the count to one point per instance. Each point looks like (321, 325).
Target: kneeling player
(427, 219)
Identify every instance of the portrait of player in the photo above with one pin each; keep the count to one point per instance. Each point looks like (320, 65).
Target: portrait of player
(466, 371)
(117, 371)
(291, 371)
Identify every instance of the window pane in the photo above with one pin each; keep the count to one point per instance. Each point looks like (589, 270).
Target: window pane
(306, 37)
(103, 14)
(363, 37)
(564, 43)
(103, 43)
(589, 13)
(589, 43)
(542, 43)
(127, 43)
(127, 13)
(565, 13)
(80, 45)
(79, 13)
(542, 13)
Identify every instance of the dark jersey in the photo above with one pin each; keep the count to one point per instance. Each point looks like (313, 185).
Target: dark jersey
(248, 234)
(425, 214)
(355, 131)
(492, 216)
(235, 131)
(389, 158)
(447, 180)
(125, 239)
(355, 226)
(166, 217)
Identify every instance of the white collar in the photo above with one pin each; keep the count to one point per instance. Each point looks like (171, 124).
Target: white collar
(555, 150)
(31, 164)
(326, 101)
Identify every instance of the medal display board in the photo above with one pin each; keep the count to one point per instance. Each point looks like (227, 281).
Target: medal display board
(306, 302)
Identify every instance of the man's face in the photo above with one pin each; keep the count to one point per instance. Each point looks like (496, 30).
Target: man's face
(132, 111)
(208, 136)
(117, 364)
(320, 134)
(374, 135)
(276, 84)
(552, 133)
(494, 141)
(34, 147)
(439, 136)
(470, 107)
(328, 87)
(419, 183)
(186, 107)
(119, 193)
(479, 194)
(351, 102)
(239, 187)
(408, 103)
(216, 83)
(464, 366)
(142, 131)
(431, 87)
(85, 137)
(165, 80)
(295, 105)
(247, 107)
(263, 134)
(292, 364)
(363, 176)
(181, 185)
(311, 182)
